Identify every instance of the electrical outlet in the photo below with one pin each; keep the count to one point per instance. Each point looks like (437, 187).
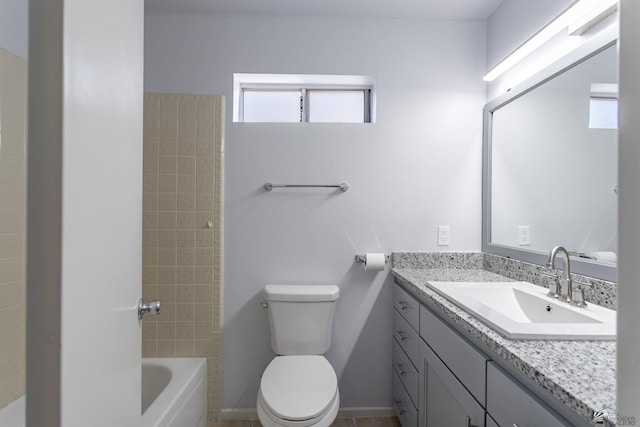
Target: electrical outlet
(444, 233)
(524, 235)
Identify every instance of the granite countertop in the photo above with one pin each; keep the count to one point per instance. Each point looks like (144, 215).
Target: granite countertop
(580, 374)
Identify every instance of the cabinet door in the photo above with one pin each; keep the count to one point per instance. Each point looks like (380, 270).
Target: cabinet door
(445, 401)
(510, 403)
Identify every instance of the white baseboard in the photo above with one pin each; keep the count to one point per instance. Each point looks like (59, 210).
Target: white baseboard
(239, 414)
(366, 412)
(251, 413)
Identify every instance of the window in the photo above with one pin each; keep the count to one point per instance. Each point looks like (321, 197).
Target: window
(270, 105)
(287, 98)
(603, 113)
(603, 106)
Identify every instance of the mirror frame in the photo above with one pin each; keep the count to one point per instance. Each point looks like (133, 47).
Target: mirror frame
(580, 266)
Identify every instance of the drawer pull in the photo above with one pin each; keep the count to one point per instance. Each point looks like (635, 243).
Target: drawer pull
(400, 335)
(397, 404)
(468, 423)
(401, 369)
(402, 305)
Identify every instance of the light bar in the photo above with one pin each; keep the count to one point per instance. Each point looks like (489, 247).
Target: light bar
(582, 14)
(593, 16)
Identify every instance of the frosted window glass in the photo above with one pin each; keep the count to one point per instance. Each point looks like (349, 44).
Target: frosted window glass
(603, 113)
(271, 106)
(345, 106)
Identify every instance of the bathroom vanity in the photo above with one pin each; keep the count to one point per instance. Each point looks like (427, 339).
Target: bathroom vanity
(450, 369)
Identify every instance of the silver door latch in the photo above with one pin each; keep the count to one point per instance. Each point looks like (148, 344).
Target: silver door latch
(153, 307)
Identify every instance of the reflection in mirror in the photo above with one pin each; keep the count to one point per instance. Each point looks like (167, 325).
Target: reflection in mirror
(13, 124)
(551, 165)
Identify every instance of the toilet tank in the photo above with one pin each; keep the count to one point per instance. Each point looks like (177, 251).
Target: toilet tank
(301, 318)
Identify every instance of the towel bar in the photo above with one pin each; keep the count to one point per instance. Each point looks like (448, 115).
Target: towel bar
(270, 186)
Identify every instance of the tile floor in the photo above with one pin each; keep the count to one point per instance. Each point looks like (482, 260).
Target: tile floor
(339, 422)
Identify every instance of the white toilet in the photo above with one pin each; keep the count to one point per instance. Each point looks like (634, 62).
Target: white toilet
(299, 388)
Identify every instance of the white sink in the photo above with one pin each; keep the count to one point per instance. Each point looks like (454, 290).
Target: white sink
(521, 310)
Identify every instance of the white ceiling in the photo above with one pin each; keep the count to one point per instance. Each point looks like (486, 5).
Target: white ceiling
(436, 9)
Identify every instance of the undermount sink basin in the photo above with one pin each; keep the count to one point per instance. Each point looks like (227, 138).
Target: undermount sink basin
(521, 310)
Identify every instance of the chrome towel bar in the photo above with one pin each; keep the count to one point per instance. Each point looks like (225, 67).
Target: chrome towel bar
(270, 186)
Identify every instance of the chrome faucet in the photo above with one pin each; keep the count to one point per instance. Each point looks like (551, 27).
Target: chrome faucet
(566, 291)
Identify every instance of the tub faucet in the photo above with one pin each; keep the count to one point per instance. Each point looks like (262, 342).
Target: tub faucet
(566, 291)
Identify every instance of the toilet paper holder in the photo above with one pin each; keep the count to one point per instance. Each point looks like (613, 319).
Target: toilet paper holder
(361, 258)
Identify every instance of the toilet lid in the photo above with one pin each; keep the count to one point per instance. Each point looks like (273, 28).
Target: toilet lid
(298, 387)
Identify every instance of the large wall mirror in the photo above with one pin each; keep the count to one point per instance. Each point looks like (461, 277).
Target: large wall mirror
(551, 164)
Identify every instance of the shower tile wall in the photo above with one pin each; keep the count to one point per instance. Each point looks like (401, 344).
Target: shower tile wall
(13, 141)
(182, 224)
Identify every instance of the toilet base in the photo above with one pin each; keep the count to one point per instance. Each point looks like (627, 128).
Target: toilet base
(325, 421)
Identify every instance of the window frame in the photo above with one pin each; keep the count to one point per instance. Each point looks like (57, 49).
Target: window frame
(302, 82)
(607, 92)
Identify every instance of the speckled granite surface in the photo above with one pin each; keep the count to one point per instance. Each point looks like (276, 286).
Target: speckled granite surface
(580, 374)
(600, 292)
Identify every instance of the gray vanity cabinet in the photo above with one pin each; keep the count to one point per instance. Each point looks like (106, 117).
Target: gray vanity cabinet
(440, 379)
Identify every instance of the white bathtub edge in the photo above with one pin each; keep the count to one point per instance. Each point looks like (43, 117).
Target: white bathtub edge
(187, 374)
(12, 415)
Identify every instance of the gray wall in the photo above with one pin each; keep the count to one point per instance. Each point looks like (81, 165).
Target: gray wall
(514, 21)
(416, 168)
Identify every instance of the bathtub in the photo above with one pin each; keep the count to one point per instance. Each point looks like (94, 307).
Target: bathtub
(174, 394)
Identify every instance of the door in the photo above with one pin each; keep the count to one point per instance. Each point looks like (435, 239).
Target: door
(444, 401)
(443, 409)
(85, 212)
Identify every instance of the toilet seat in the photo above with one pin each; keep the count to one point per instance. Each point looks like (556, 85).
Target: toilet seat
(299, 391)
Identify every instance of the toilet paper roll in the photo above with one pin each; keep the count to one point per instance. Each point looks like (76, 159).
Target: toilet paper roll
(374, 262)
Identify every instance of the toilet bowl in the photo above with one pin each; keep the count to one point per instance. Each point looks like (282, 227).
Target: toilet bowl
(298, 391)
(299, 388)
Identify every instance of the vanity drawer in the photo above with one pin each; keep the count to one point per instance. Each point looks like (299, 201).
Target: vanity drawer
(407, 306)
(406, 412)
(462, 358)
(509, 403)
(407, 337)
(407, 373)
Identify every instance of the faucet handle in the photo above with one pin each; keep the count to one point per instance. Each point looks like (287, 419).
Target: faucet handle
(578, 298)
(578, 293)
(553, 291)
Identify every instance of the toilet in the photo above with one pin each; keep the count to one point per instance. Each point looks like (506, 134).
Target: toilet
(299, 388)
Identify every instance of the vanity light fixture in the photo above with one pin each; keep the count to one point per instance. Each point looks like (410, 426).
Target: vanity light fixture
(581, 16)
(593, 16)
